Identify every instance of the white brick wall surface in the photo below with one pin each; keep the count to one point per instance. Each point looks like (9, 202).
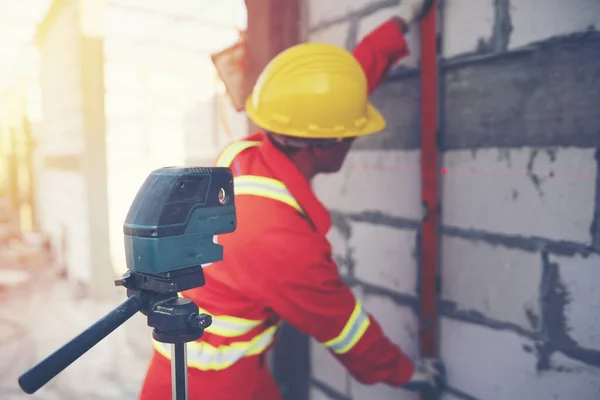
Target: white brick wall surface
(498, 282)
(518, 192)
(484, 372)
(450, 396)
(316, 394)
(466, 22)
(384, 256)
(386, 181)
(320, 11)
(581, 277)
(61, 85)
(340, 249)
(495, 190)
(326, 368)
(63, 209)
(336, 34)
(63, 212)
(536, 20)
(400, 325)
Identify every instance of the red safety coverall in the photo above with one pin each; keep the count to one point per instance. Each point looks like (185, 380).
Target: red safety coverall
(278, 266)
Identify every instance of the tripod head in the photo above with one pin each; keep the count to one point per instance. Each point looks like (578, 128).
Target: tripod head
(169, 233)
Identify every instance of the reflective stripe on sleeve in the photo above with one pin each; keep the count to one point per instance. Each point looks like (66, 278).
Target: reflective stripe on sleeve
(353, 330)
(264, 187)
(227, 326)
(205, 357)
(231, 151)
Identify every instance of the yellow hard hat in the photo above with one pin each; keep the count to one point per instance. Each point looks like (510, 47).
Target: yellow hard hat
(314, 90)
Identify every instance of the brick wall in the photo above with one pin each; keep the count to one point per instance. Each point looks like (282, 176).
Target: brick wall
(520, 200)
(61, 202)
(71, 155)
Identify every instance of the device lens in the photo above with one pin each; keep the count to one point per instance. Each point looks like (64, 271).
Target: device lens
(223, 197)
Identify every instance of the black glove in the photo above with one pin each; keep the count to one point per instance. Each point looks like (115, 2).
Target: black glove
(429, 376)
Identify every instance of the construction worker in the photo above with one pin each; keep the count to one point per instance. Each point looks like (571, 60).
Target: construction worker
(311, 102)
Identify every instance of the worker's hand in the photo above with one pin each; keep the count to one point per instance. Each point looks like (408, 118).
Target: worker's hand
(429, 376)
(411, 10)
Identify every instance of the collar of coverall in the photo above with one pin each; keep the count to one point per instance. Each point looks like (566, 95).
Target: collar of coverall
(301, 143)
(284, 170)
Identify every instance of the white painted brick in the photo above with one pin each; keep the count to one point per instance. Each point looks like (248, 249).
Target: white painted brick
(536, 20)
(335, 34)
(359, 293)
(381, 391)
(581, 277)
(385, 181)
(384, 256)
(450, 396)
(371, 22)
(319, 11)
(63, 211)
(478, 276)
(326, 368)
(400, 325)
(465, 23)
(316, 394)
(62, 98)
(494, 365)
(339, 248)
(492, 190)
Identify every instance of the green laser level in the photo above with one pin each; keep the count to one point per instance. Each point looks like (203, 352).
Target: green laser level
(174, 216)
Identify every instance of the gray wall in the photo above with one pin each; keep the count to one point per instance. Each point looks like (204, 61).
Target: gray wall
(520, 256)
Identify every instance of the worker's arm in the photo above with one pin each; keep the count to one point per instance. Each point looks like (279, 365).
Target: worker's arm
(379, 50)
(386, 45)
(295, 277)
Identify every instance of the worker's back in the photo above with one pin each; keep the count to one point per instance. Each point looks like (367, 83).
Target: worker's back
(234, 285)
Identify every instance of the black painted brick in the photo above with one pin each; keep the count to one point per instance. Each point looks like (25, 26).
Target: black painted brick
(547, 94)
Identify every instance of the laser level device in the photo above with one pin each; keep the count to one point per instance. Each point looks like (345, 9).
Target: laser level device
(169, 233)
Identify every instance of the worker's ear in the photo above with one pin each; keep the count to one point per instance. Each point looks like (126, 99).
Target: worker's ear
(330, 158)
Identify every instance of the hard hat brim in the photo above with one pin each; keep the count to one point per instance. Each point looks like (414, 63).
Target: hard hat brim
(375, 123)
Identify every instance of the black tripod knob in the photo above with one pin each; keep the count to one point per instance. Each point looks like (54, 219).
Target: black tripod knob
(176, 320)
(201, 321)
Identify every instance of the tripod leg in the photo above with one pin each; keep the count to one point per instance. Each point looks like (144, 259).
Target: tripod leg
(179, 373)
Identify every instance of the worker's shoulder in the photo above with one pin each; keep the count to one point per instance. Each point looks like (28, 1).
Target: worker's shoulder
(266, 213)
(265, 219)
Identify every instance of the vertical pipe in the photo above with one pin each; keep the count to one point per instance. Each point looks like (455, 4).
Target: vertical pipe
(429, 283)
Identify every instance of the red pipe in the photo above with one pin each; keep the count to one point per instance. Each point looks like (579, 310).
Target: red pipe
(429, 185)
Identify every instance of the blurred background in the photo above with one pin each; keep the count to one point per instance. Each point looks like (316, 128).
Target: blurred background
(95, 94)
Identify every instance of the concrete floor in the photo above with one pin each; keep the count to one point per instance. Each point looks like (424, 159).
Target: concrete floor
(43, 312)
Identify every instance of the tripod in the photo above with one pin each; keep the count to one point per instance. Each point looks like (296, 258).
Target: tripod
(169, 232)
(175, 320)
